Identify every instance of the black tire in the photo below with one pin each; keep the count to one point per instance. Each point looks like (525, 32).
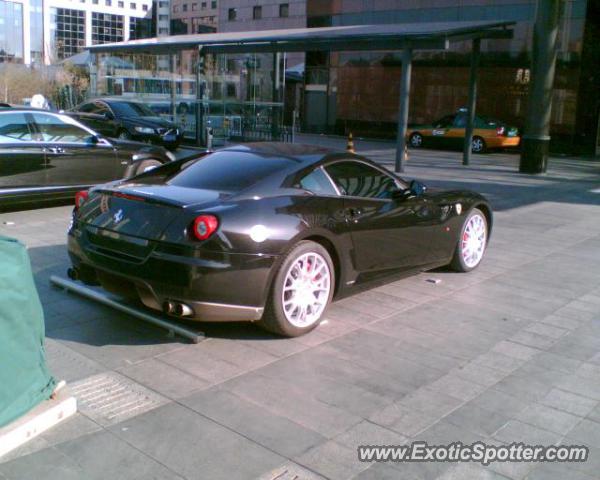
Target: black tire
(146, 165)
(478, 145)
(274, 318)
(124, 135)
(415, 140)
(458, 262)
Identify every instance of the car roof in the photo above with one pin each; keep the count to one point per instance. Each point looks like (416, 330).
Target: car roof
(26, 109)
(302, 153)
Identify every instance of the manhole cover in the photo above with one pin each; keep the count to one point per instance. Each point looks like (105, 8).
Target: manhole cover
(109, 398)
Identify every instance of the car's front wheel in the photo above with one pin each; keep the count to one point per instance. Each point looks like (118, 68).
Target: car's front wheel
(301, 291)
(472, 243)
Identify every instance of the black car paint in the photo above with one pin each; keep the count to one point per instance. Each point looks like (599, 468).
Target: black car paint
(35, 172)
(152, 250)
(112, 123)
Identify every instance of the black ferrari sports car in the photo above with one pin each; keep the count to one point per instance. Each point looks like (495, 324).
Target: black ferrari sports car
(267, 233)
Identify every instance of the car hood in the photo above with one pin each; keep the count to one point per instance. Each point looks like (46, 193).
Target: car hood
(153, 122)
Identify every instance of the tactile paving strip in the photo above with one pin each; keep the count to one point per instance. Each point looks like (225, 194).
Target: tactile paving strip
(109, 398)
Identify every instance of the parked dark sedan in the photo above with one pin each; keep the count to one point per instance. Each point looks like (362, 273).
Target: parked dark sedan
(47, 156)
(267, 233)
(128, 120)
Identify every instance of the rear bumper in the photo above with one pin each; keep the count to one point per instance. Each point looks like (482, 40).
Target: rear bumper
(216, 286)
(503, 142)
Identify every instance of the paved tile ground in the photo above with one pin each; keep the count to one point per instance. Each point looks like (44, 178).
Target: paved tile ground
(510, 352)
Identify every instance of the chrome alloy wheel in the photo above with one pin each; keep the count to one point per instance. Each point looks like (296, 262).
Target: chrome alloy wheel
(306, 290)
(473, 240)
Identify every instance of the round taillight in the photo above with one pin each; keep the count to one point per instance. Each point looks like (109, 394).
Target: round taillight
(205, 226)
(80, 198)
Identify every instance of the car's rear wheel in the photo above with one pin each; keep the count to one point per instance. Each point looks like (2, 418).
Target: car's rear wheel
(472, 243)
(416, 140)
(478, 145)
(301, 291)
(146, 165)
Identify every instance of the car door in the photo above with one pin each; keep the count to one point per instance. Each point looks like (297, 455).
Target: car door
(389, 231)
(440, 133)
(74, 154)
(22, 158)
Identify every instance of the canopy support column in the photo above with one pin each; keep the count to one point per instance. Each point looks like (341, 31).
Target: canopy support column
(475, 54)
(198, 110)
(93, 68)
(535, 142)
(403, 109)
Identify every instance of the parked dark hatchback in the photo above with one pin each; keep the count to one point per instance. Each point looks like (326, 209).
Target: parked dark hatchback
(46, 156)
(128, 120)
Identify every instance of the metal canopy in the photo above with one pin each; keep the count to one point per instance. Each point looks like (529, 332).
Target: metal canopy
(417, 36)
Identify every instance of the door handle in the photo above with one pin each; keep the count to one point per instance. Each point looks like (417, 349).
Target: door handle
(55, 150)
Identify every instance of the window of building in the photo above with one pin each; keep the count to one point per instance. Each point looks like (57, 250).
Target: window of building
(257, 12)
(106, 28)
(67, 31)
(36, 29)
(194, 7)
(140, 28)
(145, 7)
(203, 5)
(175, 8)
(185, 7)
(284, 10)
(163, 4)
(108, 3)
(232, 14)
(121, 4)
(163, 17)
(163, 31)
(132, 5)
(213, 4)
(95, 2)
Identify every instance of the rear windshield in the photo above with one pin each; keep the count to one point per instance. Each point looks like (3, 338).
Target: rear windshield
(228, 171)
(131, 109)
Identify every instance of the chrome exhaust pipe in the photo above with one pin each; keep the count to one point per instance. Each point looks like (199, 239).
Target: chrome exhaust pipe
(183, 310)
(73, 273)
(169, 308)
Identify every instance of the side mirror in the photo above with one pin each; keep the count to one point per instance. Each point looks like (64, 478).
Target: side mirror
(417, 188)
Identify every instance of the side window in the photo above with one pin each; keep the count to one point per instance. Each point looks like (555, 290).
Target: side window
(317, 182)
(55, 129)
(100, 108)
(87, 108)
(14, 128)
(460, 121)
(358, 179)
(444, 122)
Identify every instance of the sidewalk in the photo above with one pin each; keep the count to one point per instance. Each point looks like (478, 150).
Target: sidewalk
(507, 353)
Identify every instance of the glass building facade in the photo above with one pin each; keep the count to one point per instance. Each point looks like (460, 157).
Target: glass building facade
(238, 96)
(67, 30)
(36, 31)
(11, 32)
(360, 91)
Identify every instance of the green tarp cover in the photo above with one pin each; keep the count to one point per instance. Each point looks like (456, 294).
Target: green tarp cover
(24, 378)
